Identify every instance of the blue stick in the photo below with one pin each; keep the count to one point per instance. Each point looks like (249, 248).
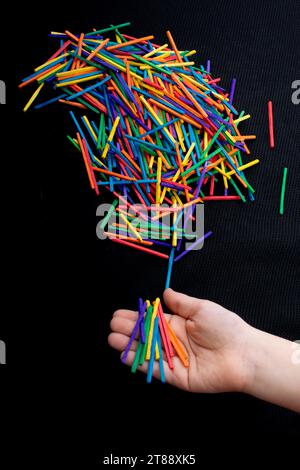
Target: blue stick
(170, 266)
(161, 362)
(152, 357)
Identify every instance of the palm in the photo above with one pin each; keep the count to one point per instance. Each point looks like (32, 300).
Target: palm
(212, 335)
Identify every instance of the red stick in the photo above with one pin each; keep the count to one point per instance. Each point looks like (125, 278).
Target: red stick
(90, 99)
(164, 340)
(86, 151)
(212, 186)
(166, 330)
(62, 48)
(271, 124)
(221, 198)
(141, 248)
(87, 166)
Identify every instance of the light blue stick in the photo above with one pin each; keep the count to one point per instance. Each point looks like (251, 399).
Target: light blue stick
(152, 357)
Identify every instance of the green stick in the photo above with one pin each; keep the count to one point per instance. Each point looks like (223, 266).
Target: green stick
(283, 185)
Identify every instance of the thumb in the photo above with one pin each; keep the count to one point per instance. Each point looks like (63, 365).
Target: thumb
(181, 304)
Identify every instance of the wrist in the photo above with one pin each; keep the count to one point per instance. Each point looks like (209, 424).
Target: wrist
(251, 359)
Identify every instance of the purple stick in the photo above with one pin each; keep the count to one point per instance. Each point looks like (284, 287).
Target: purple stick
(134, 333)
(193, 246)
(142, 308)
(232, 90)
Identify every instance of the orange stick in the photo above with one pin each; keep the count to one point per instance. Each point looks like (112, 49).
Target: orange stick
(129, 79)
(73, 103)
(112, 173)
(243, 137)
(128, 43)
(179, 348)
(172, 42)
(131, 161)
(207, 98)
(141, 248)
(33, 79)
(79, 49)
(189, 95)
(98, 48)
(130, 239)
(72, 36)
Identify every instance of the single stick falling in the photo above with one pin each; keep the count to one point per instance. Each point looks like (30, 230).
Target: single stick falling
(271, 124)
(282, 193)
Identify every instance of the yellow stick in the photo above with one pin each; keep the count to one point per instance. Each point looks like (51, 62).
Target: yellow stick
(154, 313)
(205, 140)
(73, 82)
(157, 92)
(187, 156)
(237, 138)
(111, 136)
(174, 236)
(131, 227)
(180, 136)
(163, 193)
(151, 161)
(90, 127)
(243, 118)
(193, 52)
(150, 75)
(77, 72)
(243, 167)
(50, 62)
(160, 48)
(158, 180)
(33, 97)
(53, 71)
(176, 64)
(224, 177)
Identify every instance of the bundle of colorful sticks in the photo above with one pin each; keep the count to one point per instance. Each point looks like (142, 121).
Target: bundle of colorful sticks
(155, 334)
(153, 129)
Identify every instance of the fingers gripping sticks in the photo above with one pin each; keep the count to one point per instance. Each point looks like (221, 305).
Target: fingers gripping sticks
(159, 339)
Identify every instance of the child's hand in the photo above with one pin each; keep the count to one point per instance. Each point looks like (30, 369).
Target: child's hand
(215, 338)
(225, 353)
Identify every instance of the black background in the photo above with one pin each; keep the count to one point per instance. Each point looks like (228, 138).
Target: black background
(65, 284)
